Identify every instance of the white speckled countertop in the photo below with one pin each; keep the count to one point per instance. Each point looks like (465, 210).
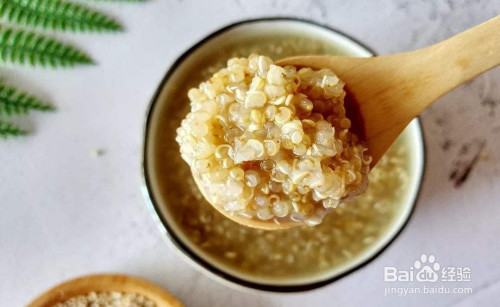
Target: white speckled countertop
(64, 213)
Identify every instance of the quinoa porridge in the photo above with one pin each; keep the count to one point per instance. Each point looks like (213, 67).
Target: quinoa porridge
(345, 233)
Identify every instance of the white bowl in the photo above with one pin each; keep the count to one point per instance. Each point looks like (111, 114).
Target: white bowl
(200, 53)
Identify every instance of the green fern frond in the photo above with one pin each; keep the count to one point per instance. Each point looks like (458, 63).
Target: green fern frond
(14, 102)
(19, 46)
(10, 130)
(56, 15)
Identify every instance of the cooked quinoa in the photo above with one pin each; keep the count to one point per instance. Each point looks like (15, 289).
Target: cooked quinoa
(271, 142)
(107, 299)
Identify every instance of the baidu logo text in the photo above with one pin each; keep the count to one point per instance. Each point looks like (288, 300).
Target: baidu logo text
(427, 269)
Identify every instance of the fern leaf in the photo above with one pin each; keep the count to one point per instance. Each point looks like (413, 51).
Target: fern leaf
(10, 130)
(56, 15)
(19, 46)
(13, 102)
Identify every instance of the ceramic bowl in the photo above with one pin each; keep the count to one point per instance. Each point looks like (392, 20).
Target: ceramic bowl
(202, 53)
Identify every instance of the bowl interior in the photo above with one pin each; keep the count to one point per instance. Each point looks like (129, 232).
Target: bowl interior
(214, 49)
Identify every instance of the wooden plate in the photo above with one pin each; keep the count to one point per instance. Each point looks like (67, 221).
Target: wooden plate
(105, 283)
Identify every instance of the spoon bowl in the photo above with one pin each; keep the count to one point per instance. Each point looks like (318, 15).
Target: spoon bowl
(254, 223)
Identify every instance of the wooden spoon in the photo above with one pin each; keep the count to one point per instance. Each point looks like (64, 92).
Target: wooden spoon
(105, 283)
(389, 91)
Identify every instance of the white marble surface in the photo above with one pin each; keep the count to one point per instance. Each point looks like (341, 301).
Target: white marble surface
(65, 214)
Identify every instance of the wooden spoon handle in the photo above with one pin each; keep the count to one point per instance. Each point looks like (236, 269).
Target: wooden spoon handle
(458, 59)
(404, 84)
(391, 90)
